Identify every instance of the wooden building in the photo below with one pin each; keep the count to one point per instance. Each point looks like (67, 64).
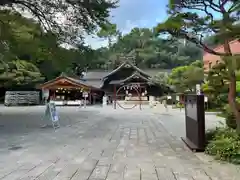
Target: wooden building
(127, 80)
(65, 90)
(210, 60)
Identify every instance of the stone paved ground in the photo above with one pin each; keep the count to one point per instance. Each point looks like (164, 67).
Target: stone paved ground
(101, 143)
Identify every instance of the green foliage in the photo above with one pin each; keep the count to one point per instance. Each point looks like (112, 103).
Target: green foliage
(24, 39)
(185, 78)
(179, 105)
(148, 51)
(217, 80)
(207, 88)
(78, 15)
(108, 31)
(160, 78)
(20, 72)
(238, 86)
(224, 144)
(185, 21)
(230, 118)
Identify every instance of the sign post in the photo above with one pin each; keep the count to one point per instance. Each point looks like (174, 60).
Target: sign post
(85, 95)
(52, 115)
(195, 122)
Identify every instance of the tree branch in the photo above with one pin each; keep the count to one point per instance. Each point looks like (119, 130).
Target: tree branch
(199, 43)
(36, 12)
(222, 4)
(214, 6)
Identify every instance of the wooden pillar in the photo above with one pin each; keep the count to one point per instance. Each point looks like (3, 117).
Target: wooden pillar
(115, 97)
(140, 97)
(90, 98)
(54, 95)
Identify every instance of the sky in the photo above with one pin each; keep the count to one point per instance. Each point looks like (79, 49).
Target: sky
(133, 13)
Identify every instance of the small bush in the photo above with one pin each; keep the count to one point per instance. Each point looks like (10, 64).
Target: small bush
(224, 144)
(179, 105)
(230, 117)
(210, 134)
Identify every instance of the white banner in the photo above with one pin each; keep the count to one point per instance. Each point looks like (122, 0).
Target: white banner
(177, 98)
(198, 89)
(85, 94)
(205, 99)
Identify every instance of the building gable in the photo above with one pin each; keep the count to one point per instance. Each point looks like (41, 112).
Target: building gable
(210, 60)
(123, 71)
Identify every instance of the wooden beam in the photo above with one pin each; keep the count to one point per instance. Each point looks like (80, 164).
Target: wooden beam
(66, 87)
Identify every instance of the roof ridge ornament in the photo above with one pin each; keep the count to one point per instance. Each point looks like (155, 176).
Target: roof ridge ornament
(63, 74)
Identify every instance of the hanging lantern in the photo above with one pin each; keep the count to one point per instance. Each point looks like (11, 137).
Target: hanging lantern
(126, 91)
(145, 91)
(143, 94)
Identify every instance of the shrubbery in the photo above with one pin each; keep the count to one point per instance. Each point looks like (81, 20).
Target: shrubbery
(224, 144)
(179, 105)
(230, 117)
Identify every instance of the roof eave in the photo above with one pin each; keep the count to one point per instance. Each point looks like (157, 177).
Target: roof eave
(123, 64)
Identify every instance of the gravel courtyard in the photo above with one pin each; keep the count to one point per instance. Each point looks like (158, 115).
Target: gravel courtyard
(96, 143)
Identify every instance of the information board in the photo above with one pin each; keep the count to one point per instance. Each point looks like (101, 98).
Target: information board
(85, 94)
(191, 109)
(194, 122)
(51, 115)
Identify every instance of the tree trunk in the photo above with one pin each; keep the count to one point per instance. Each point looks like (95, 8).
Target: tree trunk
(232, 100)
(232, 90)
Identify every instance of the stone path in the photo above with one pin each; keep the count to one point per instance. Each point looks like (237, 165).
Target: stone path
(99, 144)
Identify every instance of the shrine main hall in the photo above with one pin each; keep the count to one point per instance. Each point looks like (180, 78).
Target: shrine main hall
(126, 82)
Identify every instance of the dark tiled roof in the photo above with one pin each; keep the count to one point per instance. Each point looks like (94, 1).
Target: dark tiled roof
(95, 83)
(86, 83)
(99, 75)
(95, 75)
(129, 64)
(135, 74)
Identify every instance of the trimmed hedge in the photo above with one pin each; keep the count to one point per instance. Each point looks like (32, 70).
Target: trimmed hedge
(224, 144)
